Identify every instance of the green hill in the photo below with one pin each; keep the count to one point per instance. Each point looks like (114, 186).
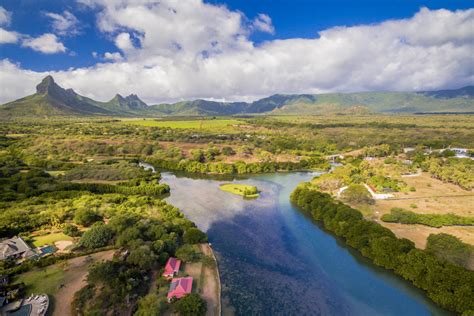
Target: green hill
(52, 100)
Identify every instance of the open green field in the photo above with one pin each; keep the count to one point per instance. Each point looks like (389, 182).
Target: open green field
(49, 239)
(245, 190)
(42, 281)
(214, 125)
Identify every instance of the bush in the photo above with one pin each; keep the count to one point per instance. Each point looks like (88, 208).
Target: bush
(191, 305)
(97, 236)
(187, 253)
(71, 230)
(194, 236)
(86, 217)
(451, 248)
(357, 193)
(399, 215)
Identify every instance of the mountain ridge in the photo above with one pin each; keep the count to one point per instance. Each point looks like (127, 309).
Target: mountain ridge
(52, 100)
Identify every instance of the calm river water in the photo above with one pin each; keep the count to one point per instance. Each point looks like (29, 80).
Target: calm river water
(275, 261)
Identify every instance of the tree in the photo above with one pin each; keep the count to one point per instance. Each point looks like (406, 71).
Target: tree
(86, 217)
(97, 236)
(191, 305)
(194, 236)
(187, 253)
(71, 230)
(142, 257)
(357, 193)
(228, 151)
(149, 305)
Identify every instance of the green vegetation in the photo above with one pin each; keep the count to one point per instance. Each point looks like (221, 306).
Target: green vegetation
(452, 249)
(399, 215)
(358, 194)
(191, 305)
(42, 281)
(52, 100)
(194, 236)
(448, 285)
(247, 191)
(49, 239)
(457, 171)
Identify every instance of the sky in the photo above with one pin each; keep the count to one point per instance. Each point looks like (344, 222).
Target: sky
(172, 50)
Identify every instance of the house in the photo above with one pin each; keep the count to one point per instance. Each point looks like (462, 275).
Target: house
(180, 287)
(172, 267)
(15, 248)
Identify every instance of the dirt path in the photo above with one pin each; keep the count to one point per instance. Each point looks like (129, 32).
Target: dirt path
(211, 290)
(74, 280)
(206, 281)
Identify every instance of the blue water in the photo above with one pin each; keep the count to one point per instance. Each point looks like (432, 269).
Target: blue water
(275, 261)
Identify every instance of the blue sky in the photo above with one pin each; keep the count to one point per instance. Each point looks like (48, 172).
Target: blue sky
(72, 39)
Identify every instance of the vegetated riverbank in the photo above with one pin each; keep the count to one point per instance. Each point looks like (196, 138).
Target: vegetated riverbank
(239, 167)
(450, 286)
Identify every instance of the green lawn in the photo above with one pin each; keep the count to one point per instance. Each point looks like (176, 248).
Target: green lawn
(42, 280)
(49, 239)
(220, 124)
(248, 191)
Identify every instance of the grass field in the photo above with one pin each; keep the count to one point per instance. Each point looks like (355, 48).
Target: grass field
(214, 125)
(248, 191)
(49, 239)
(42, 281)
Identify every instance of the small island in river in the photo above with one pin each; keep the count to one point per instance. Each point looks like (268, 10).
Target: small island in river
(247, 191)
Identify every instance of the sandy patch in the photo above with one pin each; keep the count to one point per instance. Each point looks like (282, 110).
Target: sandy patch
(61, 245)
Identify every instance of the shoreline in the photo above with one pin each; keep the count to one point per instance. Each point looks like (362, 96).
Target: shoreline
(207, 250)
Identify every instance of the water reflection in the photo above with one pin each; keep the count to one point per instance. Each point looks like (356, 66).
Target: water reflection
(274, 261)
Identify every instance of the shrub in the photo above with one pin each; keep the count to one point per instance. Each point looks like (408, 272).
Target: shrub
(191, 305)
(71, 230)
(86, 217)
(194, 236)
(357, 193)
(97, 236)
(187, 253)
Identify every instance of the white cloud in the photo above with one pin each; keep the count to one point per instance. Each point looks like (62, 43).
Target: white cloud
(113, 56)
(64, 24)
(47, 44)
(264, 23)
(5, 16)
(124, 42)
(8, 37)
(175, 50)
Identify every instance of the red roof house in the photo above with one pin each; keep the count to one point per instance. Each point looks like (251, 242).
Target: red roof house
(172, 267)
(180, 287)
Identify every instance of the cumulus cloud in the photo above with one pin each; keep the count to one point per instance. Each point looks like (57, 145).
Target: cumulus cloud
(8, 37)
(264, 23)
(64, 24)
(113, 56)
(173, 50)
(47, 44)
(5, 16)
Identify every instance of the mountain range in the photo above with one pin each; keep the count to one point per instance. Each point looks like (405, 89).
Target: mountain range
(52, 100)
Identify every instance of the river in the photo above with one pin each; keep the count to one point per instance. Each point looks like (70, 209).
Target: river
(274, 261)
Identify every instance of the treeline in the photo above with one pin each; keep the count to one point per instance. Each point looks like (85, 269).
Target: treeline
(399, 215)
(452, 249)
(110, 170)
(237, 167)
(450, 286)
(453, 170)
(17, 185)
